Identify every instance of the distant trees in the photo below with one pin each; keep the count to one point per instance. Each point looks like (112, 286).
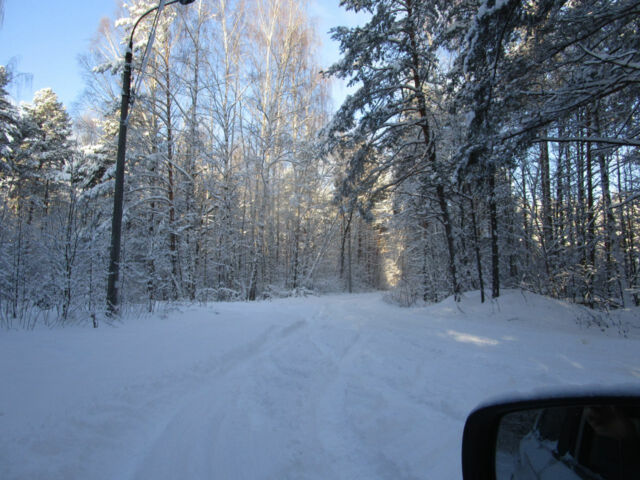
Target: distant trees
(226, 185)
(228, 193)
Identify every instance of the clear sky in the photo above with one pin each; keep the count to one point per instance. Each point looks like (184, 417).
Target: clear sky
(46, 37)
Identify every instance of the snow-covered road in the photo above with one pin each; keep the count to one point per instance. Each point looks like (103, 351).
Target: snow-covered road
(338, 387)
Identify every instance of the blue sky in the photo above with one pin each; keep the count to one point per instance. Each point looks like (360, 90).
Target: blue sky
(46, 38)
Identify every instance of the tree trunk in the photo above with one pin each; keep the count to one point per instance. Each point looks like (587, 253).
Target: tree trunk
(591, 228)
(547, 216)
(493, 220)
(446, 219)
(431, 153)
(476, 245)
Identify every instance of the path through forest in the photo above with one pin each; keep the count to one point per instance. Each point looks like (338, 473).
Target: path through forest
(321, 387)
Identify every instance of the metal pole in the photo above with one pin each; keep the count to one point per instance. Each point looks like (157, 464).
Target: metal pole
(118, 196)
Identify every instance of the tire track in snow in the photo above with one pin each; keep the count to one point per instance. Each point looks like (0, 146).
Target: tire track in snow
(344, 401)
(305, 367)
(212, 419)
(129, 421)
(367, 430)
(260, 418)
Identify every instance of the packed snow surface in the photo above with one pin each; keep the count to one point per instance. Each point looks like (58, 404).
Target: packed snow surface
(338, 387)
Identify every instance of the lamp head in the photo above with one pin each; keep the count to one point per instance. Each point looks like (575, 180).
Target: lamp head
(186, 2)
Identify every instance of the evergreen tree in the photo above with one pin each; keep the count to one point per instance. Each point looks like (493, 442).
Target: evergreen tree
(45, 149)
(389, 121)
(9, 136)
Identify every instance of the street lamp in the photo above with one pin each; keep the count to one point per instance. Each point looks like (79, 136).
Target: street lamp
(118, 195)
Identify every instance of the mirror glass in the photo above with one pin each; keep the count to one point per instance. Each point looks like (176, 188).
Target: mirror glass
(573, 442)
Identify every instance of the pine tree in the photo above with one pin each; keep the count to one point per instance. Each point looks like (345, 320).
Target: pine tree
(389, 120)
(9, 137)
(45, 149)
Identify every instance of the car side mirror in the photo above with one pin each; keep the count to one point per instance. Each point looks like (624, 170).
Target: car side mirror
(576, 436)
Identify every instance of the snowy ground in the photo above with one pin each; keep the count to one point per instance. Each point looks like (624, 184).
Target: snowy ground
(339, 387)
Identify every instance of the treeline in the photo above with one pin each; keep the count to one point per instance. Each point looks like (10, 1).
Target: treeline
(487, 145)
(503, 136)
(228, 195)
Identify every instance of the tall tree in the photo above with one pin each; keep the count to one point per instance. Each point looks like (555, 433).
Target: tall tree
(389, 120)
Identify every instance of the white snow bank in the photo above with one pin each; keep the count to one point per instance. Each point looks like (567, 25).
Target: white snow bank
(329, 387)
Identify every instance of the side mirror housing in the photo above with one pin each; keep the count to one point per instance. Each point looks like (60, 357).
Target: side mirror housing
(555, 435)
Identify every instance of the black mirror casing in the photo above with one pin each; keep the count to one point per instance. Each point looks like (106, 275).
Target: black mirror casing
(481, 428)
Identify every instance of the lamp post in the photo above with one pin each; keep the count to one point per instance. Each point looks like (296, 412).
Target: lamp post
(118, 195)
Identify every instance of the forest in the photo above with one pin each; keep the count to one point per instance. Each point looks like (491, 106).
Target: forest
(485, 145)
